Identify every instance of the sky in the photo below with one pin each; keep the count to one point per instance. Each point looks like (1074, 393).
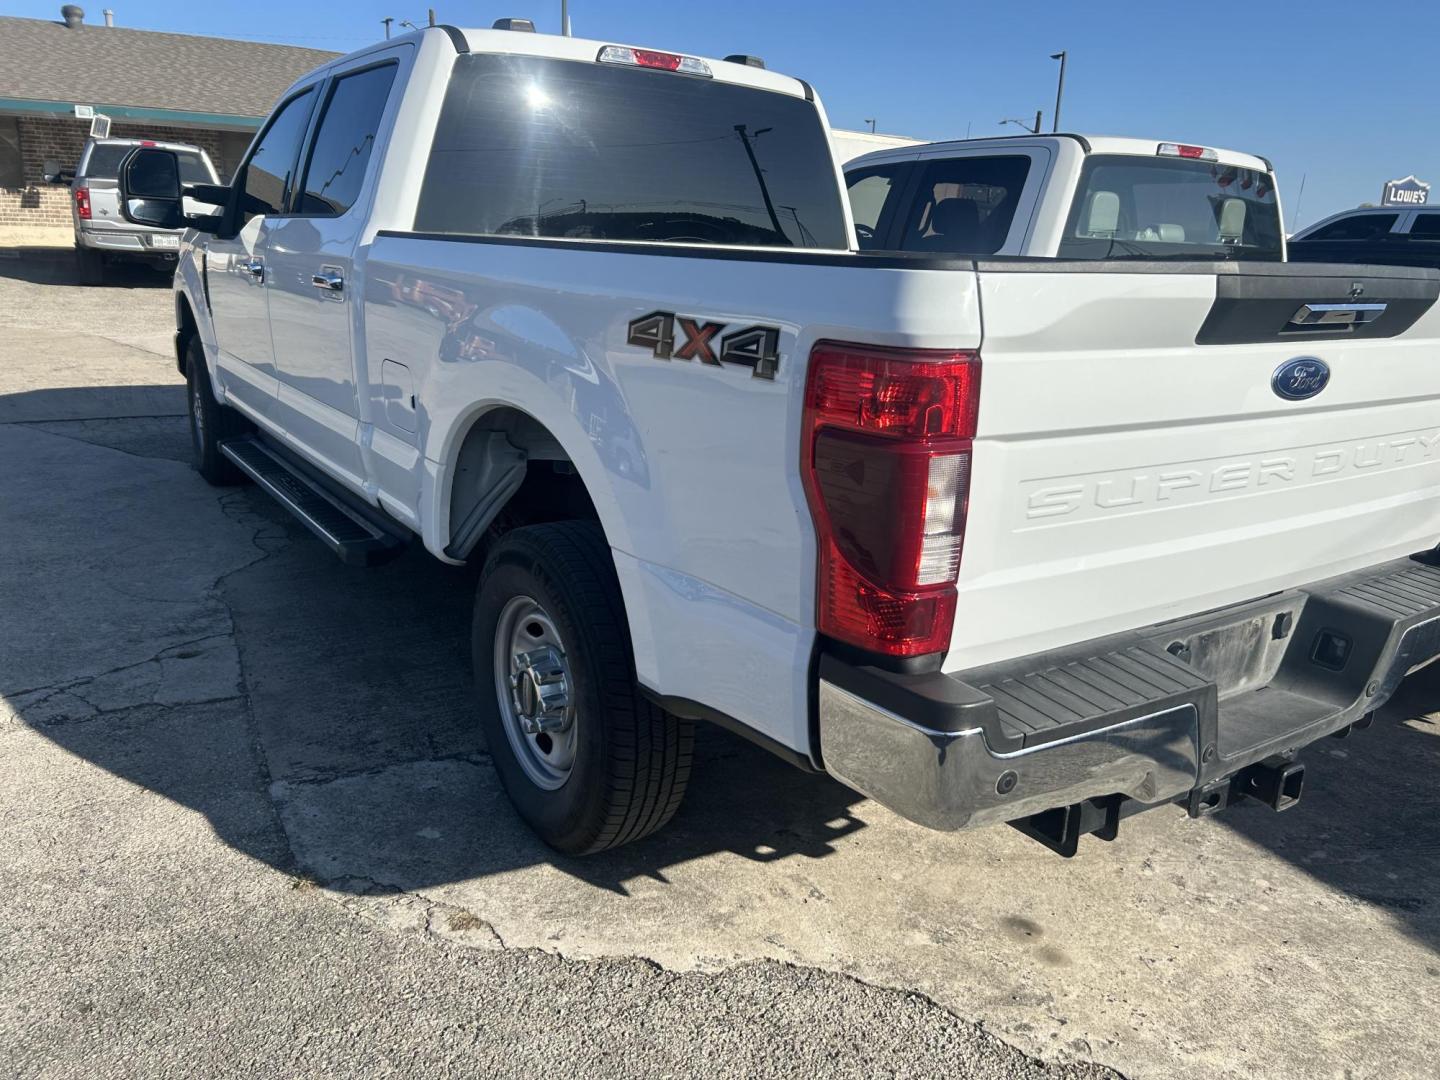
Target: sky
(1336, 99)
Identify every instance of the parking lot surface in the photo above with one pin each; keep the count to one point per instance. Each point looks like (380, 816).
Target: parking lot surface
(248, 826)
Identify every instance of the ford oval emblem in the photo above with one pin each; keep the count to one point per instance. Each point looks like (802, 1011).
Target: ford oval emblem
(1301, 378)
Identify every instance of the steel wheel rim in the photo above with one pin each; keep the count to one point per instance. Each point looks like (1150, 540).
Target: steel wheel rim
(535, 692)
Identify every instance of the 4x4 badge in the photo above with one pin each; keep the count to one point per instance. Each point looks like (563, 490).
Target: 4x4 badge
(755, 347)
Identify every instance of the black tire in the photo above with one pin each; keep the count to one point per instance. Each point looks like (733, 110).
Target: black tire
(210, 422)
(631, 759)
(89, 266)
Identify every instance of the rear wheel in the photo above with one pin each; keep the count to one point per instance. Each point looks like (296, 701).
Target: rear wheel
(210, 422)
(89, 266)
(589, 763)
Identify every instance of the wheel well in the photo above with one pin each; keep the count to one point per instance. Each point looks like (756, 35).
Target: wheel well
(510, 471)
(185, 328)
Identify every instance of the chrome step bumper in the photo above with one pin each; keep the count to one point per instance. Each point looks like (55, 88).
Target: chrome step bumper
(1151, 716)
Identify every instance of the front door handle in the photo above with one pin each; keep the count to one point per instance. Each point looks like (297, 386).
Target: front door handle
(328, 279)
(256, 269)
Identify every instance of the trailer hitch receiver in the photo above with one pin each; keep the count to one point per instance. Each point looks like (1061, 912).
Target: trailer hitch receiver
(1277, 786)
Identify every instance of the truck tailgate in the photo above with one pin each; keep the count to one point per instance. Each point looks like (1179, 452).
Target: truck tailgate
(1135, 462)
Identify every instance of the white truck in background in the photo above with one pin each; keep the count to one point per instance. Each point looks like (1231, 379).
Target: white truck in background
(1067, 196)
(1044, 541)
(852, 144)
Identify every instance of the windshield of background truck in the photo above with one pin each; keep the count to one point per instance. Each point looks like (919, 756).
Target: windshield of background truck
(1135, 207)
(105, 158)
(530, 146)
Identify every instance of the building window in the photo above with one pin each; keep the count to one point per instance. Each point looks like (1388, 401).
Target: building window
(12, 173)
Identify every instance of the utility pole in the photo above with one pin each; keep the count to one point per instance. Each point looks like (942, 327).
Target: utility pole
(1038, 115)
(387, 21)
(1060, 89)
(565, 17)
(1295, 213)
(746, 138)
(432, 16)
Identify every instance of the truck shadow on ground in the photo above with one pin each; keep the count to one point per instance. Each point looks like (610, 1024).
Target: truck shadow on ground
(57, 266)
(1366, 822)
(350, 753)
(354, 716)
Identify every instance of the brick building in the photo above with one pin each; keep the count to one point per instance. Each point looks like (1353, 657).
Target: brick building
(212, 92)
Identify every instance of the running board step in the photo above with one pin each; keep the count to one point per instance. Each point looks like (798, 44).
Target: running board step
(347, 531)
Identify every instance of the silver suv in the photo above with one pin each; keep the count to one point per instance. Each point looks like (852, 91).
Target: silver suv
(101, 233)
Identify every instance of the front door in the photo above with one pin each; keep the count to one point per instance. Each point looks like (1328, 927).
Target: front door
(236, 269)
(313, 291)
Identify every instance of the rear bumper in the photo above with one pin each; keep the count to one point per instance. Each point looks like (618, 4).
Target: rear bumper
(136, 243)
(1153, 716)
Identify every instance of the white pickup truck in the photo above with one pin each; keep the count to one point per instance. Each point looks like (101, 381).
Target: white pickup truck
(1069, 197)
(1039, 541)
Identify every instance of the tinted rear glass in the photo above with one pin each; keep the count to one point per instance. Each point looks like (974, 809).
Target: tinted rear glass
(1359, 227)
(1426, 227)
(105, 159)
(965, 205)
(528, 146)
(1135, 207)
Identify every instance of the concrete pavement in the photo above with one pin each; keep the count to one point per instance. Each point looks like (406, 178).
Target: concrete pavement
(248, 825)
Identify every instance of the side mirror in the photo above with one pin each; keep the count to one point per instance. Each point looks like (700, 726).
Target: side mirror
(54, 174)
(150, 188)
(151, 193)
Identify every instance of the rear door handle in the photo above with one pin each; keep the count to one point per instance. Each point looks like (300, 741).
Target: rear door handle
(256, 269)
(328, 279)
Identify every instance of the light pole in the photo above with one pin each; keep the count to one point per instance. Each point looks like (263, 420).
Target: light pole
(1060, 89)
(872, 126)
(1024, 124)
(565, 17)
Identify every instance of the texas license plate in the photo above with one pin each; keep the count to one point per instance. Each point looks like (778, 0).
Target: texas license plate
(165, 241)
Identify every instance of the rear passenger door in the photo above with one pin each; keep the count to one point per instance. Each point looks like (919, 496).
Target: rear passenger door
(312, 261)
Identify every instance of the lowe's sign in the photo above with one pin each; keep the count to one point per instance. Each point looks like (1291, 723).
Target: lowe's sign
(1407, 192)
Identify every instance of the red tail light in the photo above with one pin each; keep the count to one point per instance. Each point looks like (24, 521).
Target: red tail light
(886, 463)
(82, 203)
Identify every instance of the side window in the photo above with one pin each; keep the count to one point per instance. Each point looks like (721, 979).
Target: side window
(870, 189)
(965, 205)
(268, 173)
(1426, 227)
(1359, 227)
(12, 172)
(344, 141)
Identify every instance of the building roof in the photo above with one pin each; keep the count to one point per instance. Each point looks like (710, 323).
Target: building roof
(144, 74)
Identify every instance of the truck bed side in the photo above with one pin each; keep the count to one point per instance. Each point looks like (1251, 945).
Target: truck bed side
(693, 466)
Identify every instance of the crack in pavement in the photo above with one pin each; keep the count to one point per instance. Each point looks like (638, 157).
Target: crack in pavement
(85, 680)
(320, 778)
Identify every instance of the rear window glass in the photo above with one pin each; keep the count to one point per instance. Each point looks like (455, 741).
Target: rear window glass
(1359, 227)
(528, 146)
(965, 204)
(1426, 227)
(105, 159)
(1134, 207)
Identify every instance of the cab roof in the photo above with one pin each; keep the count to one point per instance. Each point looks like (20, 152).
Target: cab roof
(524, 43)
(1092, 144)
